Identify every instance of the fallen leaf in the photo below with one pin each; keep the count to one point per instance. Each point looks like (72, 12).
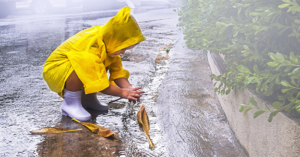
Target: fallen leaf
(101, 131)
(52, 130)
(143, 119)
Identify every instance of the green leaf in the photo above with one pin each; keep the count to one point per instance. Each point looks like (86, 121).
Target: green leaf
(298, 108)
(289, 107)
(272, 56)
(286, 63)
(228, 91)
(283, 5)
(241, 108)
(277, 81)
(221, 31)
(247, 109)
(283, 30)
(253, 102)
(280, 57)
(238, 79)
(236, 33)
(285, 83)
(297, 21)
(220, 24)
(294, 72)
(249, 80)
(293, 57)
(277, 104)
(287, 1)
(267, 108)
(242, 68)
(272, 64)
(258, 113)
(254, 13)
(272, 114)
(285, 90)
(232, 20)
(216, 89)
(287, 69)
(223, 91)
(239, 10)
(258, 86)
(255, 69)
(255, 19)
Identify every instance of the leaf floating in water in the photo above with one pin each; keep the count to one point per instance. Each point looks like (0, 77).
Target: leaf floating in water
(143, 119)
(101, 131)
(52, 130)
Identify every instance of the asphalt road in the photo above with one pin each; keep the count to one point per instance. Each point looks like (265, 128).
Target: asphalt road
(184, 114)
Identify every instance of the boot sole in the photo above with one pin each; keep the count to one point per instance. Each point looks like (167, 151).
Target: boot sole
(66, 114)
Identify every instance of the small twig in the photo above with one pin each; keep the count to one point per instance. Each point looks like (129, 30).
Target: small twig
(114, 100)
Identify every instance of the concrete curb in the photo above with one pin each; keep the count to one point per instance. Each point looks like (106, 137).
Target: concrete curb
(258, 136)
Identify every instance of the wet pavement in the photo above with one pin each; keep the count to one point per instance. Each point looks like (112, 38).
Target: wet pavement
(188, 110)
(185, 117)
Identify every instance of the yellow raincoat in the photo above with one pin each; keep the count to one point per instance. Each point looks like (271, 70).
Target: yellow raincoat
(86, 53)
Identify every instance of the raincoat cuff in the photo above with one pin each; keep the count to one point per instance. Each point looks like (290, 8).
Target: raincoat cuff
(96, 86)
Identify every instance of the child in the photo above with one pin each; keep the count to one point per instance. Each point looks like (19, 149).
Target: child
(76, 70)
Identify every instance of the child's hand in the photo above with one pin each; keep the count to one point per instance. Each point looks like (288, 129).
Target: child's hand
(132, 94)
(138, 100)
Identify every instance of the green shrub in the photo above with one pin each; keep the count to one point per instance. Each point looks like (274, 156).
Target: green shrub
(261, 43)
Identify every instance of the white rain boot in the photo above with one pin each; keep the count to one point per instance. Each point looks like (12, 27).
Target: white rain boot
(72, 106)
(90, 101)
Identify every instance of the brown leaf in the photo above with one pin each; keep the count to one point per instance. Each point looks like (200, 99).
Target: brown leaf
(52, 130)
(143, 119)
(101, 131)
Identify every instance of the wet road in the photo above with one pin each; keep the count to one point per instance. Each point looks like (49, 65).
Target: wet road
(26, 103)
(189, 111)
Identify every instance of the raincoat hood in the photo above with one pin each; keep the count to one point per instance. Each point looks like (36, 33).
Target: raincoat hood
(121, 31)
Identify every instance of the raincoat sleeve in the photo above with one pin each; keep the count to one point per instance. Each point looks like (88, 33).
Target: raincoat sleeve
(116, 70)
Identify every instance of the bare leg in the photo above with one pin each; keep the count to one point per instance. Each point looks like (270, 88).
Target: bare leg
(72, 106)
(73, 83)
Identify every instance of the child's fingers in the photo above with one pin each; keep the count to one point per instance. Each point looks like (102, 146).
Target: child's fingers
(137, 88)
(139, 92)
(132, 98)
(136, 95)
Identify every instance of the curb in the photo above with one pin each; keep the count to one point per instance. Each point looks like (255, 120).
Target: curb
(258, 136)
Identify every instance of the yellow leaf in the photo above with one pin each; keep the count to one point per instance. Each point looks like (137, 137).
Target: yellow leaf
(143, 119)
(101, 131)
(52, 130)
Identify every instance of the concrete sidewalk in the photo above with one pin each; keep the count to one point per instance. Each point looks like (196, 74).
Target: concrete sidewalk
(188, 110)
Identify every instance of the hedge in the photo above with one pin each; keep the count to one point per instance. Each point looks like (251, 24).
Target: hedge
(260, 40)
